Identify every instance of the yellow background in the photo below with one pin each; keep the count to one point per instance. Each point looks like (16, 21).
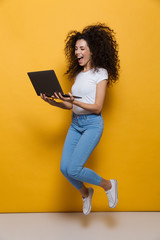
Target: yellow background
(32, 37)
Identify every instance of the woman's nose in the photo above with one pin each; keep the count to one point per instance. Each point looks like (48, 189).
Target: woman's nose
(77, 51)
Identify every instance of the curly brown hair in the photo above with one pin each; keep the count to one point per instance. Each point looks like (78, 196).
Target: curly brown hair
(101, 41)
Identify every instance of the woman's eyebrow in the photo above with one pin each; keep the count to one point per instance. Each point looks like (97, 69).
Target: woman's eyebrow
(80, 46)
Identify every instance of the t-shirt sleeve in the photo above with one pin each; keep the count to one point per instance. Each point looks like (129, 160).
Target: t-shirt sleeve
(101, 75)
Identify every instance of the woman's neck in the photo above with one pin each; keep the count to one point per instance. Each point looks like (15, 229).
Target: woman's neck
(87, 68)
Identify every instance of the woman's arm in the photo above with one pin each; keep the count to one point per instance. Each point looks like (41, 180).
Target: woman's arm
(63, 105)
(93, 108)
(100, 96)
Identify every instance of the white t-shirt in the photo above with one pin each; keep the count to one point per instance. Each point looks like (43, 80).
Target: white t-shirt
(85, 87)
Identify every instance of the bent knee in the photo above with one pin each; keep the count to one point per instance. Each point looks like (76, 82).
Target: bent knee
(63, 170)
(72, 172)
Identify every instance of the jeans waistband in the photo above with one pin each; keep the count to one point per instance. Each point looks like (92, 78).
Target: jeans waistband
(84, 116)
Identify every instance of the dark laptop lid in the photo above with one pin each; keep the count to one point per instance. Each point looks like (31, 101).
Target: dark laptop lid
(45, 82)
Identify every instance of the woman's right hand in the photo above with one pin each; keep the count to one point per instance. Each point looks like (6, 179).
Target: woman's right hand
(49, 100)
(62, 104)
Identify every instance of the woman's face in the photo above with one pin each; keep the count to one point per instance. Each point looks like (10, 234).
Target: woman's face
(83, 54)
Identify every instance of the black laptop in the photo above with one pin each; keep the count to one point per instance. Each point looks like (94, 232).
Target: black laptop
(46, 82)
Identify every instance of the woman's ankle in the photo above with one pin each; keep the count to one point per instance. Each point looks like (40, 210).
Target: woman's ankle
(84, 192)
(105, 184)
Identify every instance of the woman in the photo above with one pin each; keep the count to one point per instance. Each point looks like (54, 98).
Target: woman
(93, 64)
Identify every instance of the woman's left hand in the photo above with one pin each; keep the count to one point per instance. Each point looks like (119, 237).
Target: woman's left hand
(69, 99)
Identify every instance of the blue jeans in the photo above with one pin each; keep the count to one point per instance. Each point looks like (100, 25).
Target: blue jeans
(82, 137)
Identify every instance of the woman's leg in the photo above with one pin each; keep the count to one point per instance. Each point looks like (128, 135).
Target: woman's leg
(78, 151)
(86, 144)
(67, 153)
(71, 142)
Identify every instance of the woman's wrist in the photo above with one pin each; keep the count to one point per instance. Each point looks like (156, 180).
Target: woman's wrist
(54, 103)
(75, 101)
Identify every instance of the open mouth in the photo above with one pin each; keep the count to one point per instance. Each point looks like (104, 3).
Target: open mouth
(80, 59)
